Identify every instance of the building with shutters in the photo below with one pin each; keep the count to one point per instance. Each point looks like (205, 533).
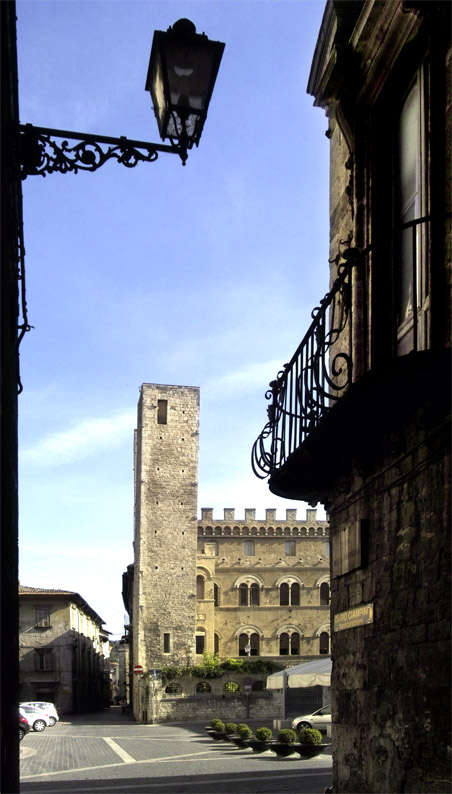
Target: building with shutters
(62, 651)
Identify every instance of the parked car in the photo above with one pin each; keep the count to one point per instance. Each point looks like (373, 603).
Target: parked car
(318, 719)
(49, 708)
(24, 727)
(38, 719)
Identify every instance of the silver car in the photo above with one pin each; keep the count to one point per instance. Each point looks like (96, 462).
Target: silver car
(37, 718)
(49, 709)
(318, 719)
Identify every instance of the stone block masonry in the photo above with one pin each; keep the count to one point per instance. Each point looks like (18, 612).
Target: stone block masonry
(166, 475)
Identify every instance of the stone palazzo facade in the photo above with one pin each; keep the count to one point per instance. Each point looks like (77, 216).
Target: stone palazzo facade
(238, 587)
(263, 586)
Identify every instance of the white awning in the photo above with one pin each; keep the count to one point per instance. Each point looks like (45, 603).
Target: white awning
(316, 673)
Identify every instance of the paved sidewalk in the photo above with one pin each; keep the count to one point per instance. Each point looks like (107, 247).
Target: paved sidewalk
(107, 752)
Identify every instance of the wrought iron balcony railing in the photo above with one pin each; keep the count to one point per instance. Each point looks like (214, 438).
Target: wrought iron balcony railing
(314, 379)
(320, 371)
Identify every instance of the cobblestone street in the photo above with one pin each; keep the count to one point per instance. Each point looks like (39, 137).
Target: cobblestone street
(106, 752)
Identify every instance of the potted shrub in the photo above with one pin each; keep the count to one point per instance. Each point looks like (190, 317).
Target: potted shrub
(284, 745)
(310, 743)
(243, 732)
(213, 726)
(260, 741)
(218, 730)
(230, 730)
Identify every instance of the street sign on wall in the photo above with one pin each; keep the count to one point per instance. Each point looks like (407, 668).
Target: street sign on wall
(137, 669)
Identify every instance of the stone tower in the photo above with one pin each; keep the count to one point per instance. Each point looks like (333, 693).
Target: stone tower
(166, 486)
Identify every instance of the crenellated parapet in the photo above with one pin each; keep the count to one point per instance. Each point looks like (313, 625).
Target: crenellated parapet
(270, 526)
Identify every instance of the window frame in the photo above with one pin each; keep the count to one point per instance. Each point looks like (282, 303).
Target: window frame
(42, 618)
(410, 232)
(377, 162)
(162, 412)
(45, 662)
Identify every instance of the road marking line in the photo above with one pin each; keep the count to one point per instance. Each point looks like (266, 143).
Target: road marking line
(106, 766)
(119, 751)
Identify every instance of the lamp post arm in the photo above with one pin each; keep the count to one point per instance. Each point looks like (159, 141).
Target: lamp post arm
(41, 154)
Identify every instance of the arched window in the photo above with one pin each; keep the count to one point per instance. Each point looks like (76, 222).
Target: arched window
(284, 595)
(203, 686)
(254, 595)
(173, 688)
(243, 595)
(243, 640)
(259, 686)
(200, 587)
(295, 594)
(249, 596)
(252, 640)
(324, 594)
(231, 686)
(324, 642)
(289, 594)
(216, 595)
(295, 644)
(284, 644)
(216, 643)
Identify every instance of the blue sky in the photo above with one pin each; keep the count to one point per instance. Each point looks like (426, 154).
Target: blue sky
(201, 276)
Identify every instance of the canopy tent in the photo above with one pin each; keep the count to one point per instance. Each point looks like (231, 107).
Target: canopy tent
(316, 673)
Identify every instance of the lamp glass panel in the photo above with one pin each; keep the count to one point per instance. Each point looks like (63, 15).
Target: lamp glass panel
(158, 92)
(189, 74)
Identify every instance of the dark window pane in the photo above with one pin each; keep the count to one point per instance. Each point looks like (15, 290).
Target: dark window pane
(162, 410)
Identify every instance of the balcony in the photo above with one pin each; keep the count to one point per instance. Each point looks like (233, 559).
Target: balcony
(326, 414)
(309, 386)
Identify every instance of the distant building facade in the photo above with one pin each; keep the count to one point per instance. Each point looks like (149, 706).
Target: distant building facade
(235, 587)
(359, 418)
(263, 586)
(61, 650)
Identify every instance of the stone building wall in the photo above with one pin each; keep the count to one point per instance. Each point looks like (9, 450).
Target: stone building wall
(391, 677)
(186, 577)
(180, 699)
(265, 553)
(389, 499)
(60, 650)
(166, 473)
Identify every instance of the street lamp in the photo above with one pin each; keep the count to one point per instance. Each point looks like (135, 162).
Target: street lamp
(182, 71)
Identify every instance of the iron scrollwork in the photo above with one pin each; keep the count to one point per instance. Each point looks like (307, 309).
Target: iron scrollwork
(317, 376)
(41, 153)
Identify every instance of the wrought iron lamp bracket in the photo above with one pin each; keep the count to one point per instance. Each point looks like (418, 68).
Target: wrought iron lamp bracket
(40, 152)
